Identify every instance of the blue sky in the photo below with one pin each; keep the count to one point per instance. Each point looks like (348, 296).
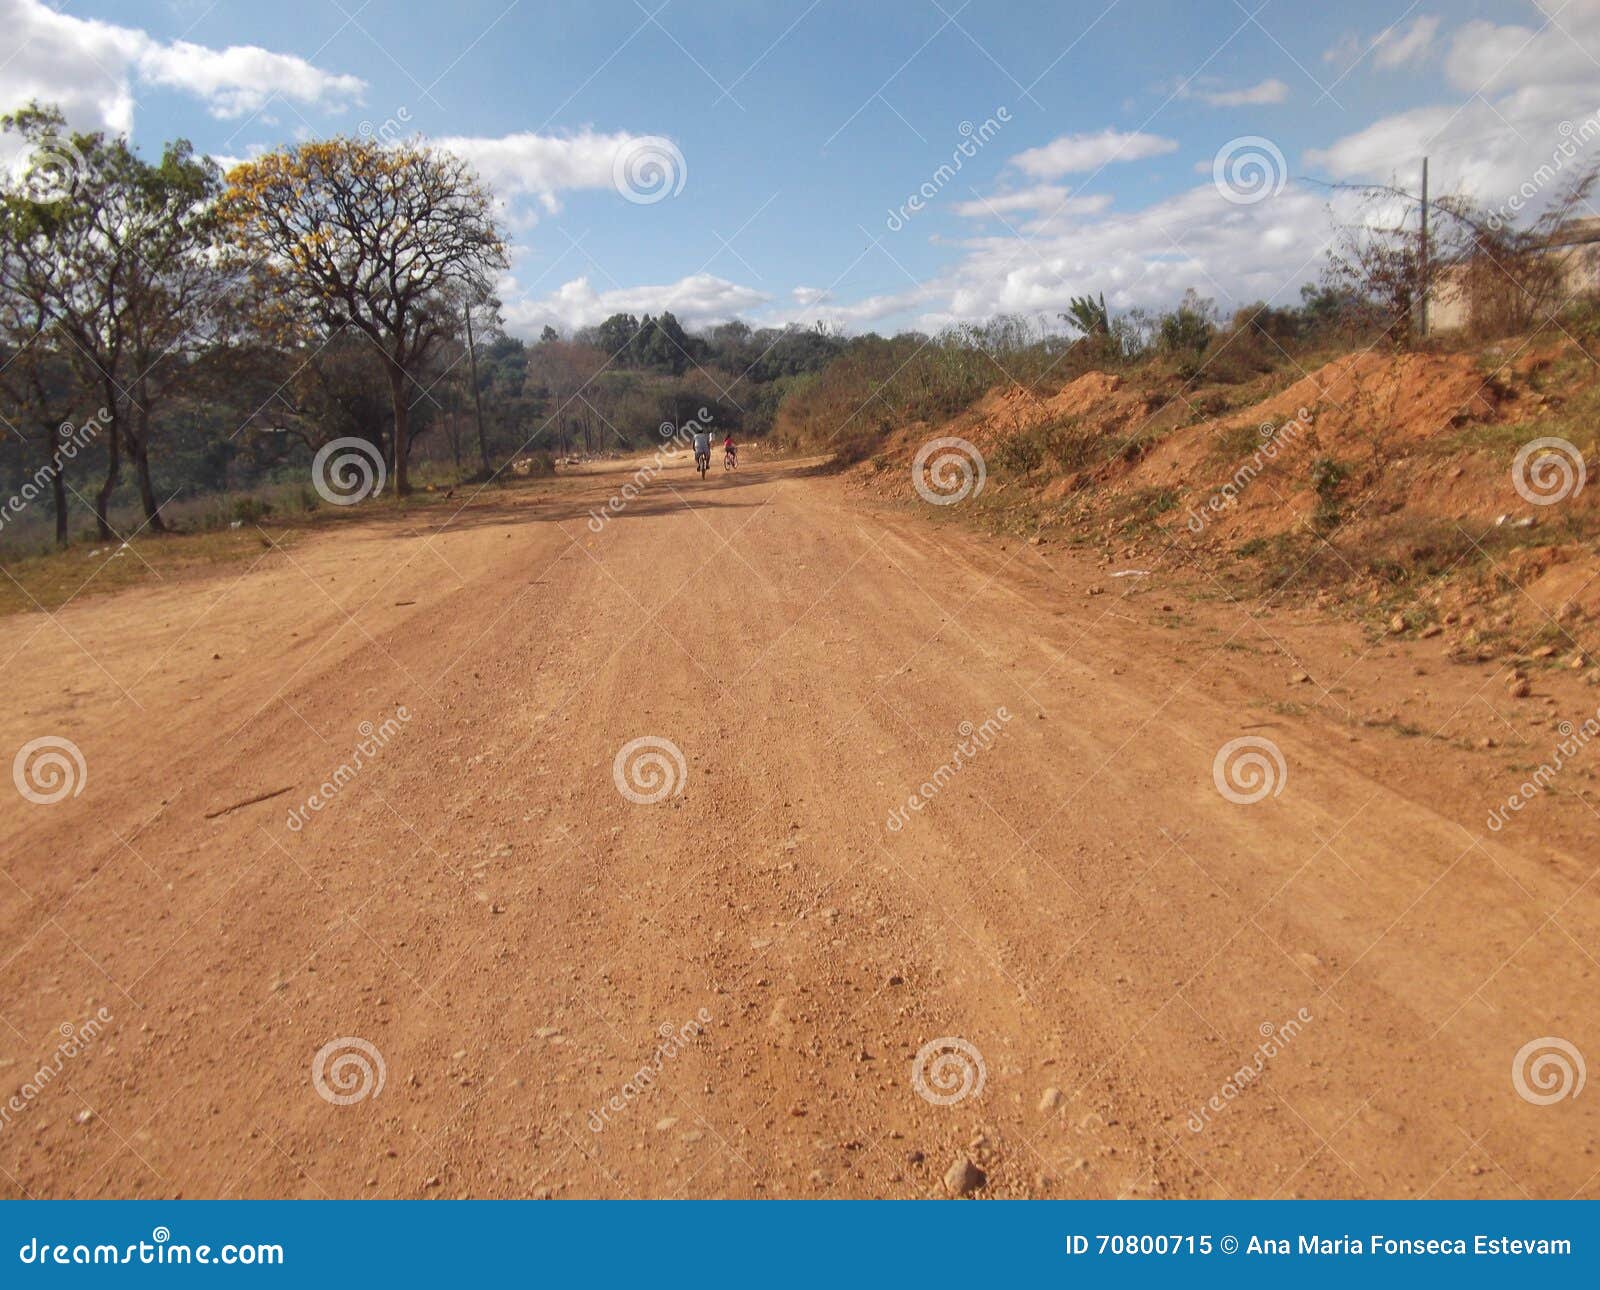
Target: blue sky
(802, 126)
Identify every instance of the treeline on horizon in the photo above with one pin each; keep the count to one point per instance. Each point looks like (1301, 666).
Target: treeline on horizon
(176, 345)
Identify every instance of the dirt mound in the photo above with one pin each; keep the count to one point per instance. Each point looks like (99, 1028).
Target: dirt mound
(1410, 458)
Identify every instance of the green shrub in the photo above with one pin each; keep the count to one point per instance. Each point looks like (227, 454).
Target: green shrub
(251, 510)
(1327, 478)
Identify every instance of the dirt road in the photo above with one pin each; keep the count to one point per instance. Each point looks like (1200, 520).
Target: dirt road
(931, 790)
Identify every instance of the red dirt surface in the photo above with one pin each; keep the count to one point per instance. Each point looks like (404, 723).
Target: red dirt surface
(515, 938)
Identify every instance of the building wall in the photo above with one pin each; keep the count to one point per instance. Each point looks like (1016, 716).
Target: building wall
(1450, 308)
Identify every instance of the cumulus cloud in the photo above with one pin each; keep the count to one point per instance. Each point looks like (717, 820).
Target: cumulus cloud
(1396, 48)
(1040, 197)
(241, 78)
(1083, 152)
(541, 165)
(1523, 105)
(1147, 257)
(1268, 91)
(696, 301)
(90, 69)
(1393, 47)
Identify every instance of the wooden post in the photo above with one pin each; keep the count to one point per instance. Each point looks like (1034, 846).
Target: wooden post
(1427, 267)
(477, 399)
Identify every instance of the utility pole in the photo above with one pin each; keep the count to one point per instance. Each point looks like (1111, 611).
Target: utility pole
(1427, 270)
(477, 398)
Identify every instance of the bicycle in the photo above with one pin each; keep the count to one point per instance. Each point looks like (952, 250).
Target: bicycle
(729, 462)
(702, 463)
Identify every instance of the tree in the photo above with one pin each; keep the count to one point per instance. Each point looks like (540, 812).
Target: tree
(1189, 327)
(618, 335)
(114, 256)
(1088, 316)
(39, 387)
(387, 240)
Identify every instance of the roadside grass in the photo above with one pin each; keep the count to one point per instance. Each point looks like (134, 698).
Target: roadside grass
(209, 534)
(49, 581)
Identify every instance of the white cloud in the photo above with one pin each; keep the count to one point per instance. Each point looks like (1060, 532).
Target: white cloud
(541, 165)
(1392, 47)
(1523, 95)
(1040, 197)
(1080, 152)
(1271, 90)
(242, 78)
(1148, 257)
(696, 301)
(90, 69)
(1396, 48)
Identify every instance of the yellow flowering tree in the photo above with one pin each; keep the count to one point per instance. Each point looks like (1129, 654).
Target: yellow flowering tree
(385, 239)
